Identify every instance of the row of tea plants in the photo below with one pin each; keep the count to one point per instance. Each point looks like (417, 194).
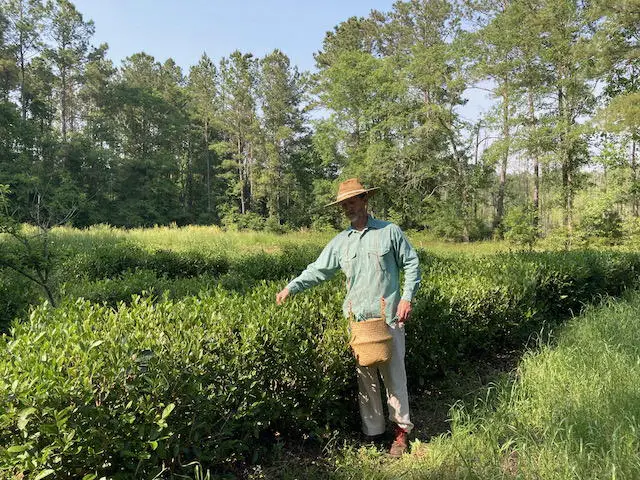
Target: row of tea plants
(204, 366)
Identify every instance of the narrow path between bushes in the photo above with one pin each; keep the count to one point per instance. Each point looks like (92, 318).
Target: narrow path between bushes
(430, 412)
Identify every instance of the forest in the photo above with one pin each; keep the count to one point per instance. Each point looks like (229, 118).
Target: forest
(248, 142)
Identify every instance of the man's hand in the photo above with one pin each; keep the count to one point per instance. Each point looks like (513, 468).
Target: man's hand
(282, 296)
(404, 310)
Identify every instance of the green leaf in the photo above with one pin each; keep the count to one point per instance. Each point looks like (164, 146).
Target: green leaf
(44, 473)
(17, 448)
(95, 343)
(23, 417)
(90, 476)
(167, 410)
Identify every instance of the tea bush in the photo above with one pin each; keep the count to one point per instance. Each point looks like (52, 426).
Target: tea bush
(91, 390)
(16, 292)
(180, 274)
(470, 307)
(122, 288)
(208, 368)
(102, 261)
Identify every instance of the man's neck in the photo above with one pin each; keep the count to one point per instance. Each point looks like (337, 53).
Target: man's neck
(360, 223)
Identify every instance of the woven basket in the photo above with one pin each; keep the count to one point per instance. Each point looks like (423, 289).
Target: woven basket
(370, 341)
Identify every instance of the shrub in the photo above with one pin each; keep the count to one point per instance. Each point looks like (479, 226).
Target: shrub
(121, 392)
(273, 225)
(521, 227)
(186, 264)
(16, 292)
(602, 220)
(102, 260)
(243, 221)
(470, 307)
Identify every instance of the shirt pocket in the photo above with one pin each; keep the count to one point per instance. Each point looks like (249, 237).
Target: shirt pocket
(347, 263)
(382, 257)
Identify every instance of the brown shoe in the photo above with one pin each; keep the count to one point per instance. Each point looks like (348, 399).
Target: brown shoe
(400, 444)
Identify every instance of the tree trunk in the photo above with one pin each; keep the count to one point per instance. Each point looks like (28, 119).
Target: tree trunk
(497, 221)
(241, 162)
(23, 103)
(249, 176)
(206, 143)
(475, 154)
(565, 161)
(536, 166)
(63, 104)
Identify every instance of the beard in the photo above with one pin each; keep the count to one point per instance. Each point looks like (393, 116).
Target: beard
(353, 217)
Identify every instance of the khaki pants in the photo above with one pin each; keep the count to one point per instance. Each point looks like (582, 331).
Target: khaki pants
(395, 381)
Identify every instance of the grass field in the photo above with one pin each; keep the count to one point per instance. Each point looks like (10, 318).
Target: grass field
(215, 239)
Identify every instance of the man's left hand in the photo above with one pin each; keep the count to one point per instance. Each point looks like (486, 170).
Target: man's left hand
(404, 310)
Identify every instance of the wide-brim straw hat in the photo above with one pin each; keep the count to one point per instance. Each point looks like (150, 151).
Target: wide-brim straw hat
(350, 188)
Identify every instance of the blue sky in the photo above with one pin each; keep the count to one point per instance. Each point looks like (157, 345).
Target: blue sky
(184, 29)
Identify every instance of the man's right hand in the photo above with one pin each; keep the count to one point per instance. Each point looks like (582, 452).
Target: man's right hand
(282, 296)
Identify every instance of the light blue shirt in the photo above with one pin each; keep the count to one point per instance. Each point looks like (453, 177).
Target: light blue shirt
(371, 260)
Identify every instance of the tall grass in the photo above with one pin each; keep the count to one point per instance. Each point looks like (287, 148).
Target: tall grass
(190, 238)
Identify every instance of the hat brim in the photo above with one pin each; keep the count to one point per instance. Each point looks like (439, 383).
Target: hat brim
(353, 194)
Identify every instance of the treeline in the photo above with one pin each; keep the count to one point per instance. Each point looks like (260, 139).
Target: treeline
(254, 142)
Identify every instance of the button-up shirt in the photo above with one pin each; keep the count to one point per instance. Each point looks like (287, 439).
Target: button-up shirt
(371, 260)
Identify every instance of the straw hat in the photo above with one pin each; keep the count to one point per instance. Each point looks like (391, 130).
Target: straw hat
(350, 188)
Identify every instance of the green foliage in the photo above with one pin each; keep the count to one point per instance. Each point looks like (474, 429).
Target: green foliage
(26, 251)
(569, 413)
(447, 221)
(16, 293)
(143, 144)
(109, 260)
(208, 378)
(246, 221)
(206, 367)
(521, 224)
(602, 220)
(176, 274)
(471, 306)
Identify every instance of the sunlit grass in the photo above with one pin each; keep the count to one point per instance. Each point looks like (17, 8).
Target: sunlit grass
(213, 238)
(193, 237)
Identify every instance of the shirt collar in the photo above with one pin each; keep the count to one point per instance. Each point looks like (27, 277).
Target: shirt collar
(371, 223)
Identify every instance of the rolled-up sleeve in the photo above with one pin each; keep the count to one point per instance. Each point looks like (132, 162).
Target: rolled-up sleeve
(407, 259)
(324, 268)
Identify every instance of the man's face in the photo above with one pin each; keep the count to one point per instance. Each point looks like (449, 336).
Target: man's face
(354, 208)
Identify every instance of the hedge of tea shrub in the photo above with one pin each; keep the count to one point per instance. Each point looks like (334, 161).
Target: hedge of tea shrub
(469, 307)
(111, 260)
(90, 390)
(108, 270)
(176, 273)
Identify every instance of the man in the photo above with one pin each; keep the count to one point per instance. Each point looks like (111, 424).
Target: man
(371, 253)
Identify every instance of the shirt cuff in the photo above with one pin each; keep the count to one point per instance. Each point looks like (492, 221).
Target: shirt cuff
(408, 297)
(293, 288)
